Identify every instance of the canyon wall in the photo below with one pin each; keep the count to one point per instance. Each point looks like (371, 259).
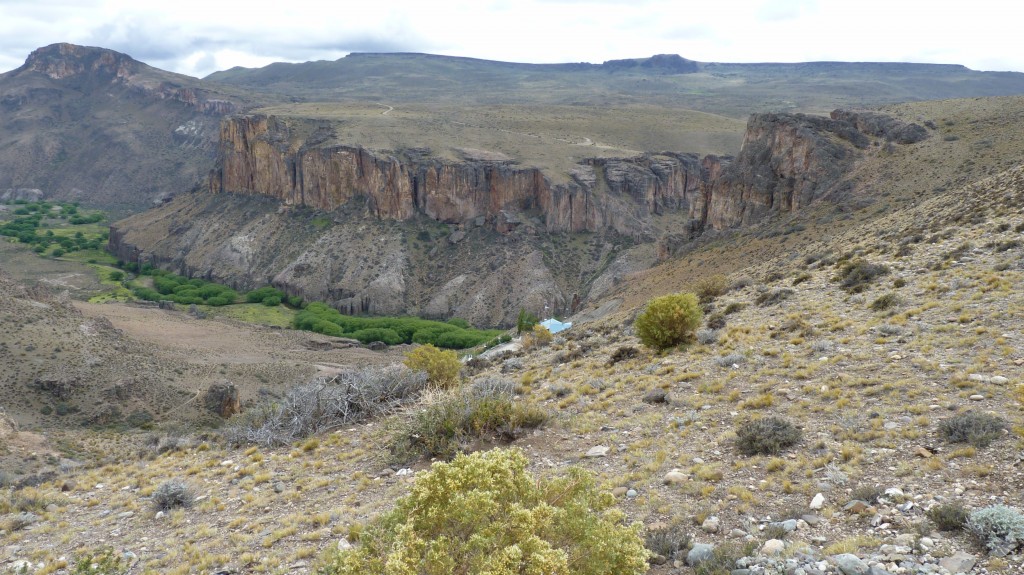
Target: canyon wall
(264, 155)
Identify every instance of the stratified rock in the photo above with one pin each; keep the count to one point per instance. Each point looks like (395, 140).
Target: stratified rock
(222, 398)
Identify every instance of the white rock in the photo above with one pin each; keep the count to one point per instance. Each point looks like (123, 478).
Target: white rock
(817, 501)
(598, 451)
(773, 547)
(977, 397)
(894, 492)
(711, 525)
(675, 477)
(999, 380)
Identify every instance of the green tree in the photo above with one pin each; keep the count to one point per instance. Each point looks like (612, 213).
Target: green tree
(669, 320)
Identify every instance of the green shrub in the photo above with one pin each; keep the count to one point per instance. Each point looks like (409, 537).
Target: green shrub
(484, 513)
(669, 320)
(999, 527)
(671, 541)
(370, 335)
(103, 561)
(773, 296)
(710, 287)
(766, 436)
(271, 301)
(525, 321)
(977, 429)
(261, 294)
(442, 366)
(948, 516)
(724, 557)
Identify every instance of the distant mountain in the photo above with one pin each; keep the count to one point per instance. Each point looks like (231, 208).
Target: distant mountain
(667, 79)
(95, 125)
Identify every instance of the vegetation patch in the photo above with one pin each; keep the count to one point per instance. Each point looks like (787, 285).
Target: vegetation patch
(855, 276)
(484, 513)
(55, 228)
(323, 319)
(766, 436)
(669, 321)
(977, 429)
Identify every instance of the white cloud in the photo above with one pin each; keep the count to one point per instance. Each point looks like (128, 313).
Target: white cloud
(199, 36)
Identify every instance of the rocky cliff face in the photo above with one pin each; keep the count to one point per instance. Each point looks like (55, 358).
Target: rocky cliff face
(265, 155)
(788, 161)
(500, 249)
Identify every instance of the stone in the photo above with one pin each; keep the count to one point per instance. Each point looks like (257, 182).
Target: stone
(789, 525)
(894, 492)
(878, 570)
(656, 396)
(597, 451)
(279, 487)
(999, 380)
(922, 452)
(977, 397)
(675, 477)
(631, 493)
(737, 533)
(925, 543)
(810, 519)
(699, 553)
(711, 525)
(959, 562)
(817, 501)
(850, 564)
(857, 506)
(773, 547)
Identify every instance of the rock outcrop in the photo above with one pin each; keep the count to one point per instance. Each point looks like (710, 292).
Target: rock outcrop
(265, 155)
(498, 254)
(788, 161)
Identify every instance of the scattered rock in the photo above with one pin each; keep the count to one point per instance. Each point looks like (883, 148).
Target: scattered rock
(959, 562)
(773, 547)
(817, 501)
(631, 493)
(279, 487)
(977, 397)
(922, 452)
(699, 553)
(850, 564)
(597, 451)
(999, 380)
(656, 396)
(711, 525)
(675, 477)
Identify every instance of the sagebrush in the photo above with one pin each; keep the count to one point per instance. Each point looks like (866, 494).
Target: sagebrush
(766, 436)
(441, 365)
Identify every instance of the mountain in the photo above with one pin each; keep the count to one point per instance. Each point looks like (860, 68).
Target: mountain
(96, 126)
(665, 80)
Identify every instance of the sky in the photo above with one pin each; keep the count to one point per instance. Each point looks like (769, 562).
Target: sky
(199, 37)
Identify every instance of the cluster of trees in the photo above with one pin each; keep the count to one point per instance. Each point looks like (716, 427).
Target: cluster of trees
(453, 334)
(28, 226)
(179, 289)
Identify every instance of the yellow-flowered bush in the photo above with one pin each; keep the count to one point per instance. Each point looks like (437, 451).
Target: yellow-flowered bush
(484, 514)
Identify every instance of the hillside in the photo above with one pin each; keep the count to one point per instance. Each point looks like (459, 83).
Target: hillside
(867, 371)
(96, 126)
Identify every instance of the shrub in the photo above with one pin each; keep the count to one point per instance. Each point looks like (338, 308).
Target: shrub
(669, 321)
(766, 436)
(539, 336)
(885, 301)
(948, 516)
(773, 296)
(322, 404)
(370, 335)
(171, 494)
(104, 561)
(999, 527)
(855, 276)
(441, 366)
(484, 513)
(482, 411)
(670, 541)
(710, 287)
(707, 336)
(977, 429)
(525, 321)
(261, 294)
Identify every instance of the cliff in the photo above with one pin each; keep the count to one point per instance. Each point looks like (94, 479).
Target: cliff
(409, 233)
(788, 161)
(281, 158)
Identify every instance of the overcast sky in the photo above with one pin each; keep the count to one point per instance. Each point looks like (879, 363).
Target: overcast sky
(199, 37)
